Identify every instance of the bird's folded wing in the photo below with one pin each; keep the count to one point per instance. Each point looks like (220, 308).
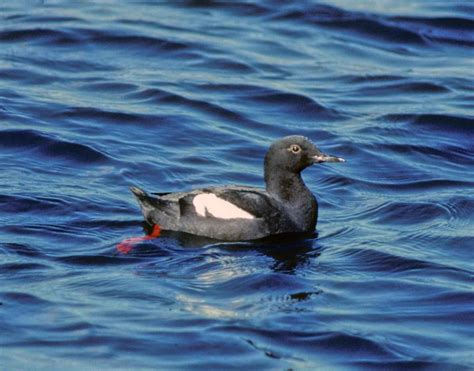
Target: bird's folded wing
(255, 202)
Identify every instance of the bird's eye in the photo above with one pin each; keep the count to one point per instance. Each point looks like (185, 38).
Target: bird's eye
(295, 148)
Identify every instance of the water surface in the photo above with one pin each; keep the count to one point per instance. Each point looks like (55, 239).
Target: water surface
(176, 95)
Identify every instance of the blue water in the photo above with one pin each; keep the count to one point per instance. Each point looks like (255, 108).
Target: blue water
(97, 96)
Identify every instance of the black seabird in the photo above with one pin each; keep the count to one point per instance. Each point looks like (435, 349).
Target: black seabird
(237, 213)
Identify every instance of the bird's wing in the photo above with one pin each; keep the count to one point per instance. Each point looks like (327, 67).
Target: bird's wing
(230, 202)
(253, 200)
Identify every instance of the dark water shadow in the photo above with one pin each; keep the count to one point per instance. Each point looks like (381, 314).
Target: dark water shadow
(288, 251)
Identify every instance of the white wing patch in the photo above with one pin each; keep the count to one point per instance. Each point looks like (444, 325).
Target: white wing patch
(218, 207)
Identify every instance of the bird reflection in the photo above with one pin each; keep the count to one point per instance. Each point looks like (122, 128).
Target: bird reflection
(288, 252)
(291, 252)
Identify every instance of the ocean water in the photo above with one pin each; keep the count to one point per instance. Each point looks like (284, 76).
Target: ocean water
(97, 96)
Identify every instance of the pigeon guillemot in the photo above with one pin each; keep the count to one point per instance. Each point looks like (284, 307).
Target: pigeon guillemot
(235, 213)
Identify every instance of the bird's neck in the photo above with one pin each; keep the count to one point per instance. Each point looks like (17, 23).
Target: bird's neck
(290, 189)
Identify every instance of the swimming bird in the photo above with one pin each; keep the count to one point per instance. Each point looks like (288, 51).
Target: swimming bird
(237, 213)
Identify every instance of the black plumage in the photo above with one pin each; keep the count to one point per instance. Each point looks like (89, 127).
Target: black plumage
(286, 205)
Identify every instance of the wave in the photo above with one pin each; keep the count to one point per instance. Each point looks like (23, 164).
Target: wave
(14, 268)
(24, 76)
(51, 147)
(417, 31)
(223, 64)
(403, 88)
(121, 39)
(297, 104)
(162, 97)
(21, 249)
(104, 116)
(447, 122)
(332, 341)
(24, 298)
(44, 35)
(19, 204)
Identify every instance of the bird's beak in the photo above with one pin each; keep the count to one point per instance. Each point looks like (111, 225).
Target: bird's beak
(321, 157)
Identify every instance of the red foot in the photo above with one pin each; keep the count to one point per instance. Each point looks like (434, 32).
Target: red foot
(127, 245)
(156, 231)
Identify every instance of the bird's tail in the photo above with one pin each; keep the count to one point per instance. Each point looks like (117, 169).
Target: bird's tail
(147, 203)
(139, 193)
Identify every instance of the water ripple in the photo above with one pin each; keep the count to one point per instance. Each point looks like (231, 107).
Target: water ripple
(50, 147)
(172, 96)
